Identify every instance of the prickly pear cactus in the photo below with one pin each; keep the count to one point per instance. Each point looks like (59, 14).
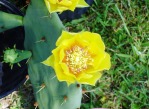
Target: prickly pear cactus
(42, 30)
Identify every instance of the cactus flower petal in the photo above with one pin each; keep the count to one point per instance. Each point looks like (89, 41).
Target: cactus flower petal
(92, 80)
(79, 57)
(62, 5)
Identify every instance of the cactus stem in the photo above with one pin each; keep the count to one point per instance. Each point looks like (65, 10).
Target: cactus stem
(27, 78)
(43, 39)
(36, 105)
(41, 87)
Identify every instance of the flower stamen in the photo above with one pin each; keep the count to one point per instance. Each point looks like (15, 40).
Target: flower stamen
(78, 59)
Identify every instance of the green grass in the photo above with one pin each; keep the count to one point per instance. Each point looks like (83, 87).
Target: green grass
(124, 27)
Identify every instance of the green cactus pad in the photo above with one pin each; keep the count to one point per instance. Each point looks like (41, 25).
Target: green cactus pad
(8, 21)
(13, 56)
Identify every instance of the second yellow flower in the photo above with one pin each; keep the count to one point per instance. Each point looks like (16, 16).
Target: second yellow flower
(62, 5)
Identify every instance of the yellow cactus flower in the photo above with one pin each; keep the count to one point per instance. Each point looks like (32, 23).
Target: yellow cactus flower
(62, 5)
(79, 57)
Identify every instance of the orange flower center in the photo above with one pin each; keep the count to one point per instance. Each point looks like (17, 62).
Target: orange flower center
(78, 59)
